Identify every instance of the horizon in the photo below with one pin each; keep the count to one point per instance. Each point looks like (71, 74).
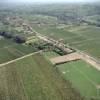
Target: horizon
(49, 1)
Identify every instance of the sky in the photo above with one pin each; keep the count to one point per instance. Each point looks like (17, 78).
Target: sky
(49, 0)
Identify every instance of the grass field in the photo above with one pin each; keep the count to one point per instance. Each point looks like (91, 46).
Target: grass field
(85, 38)
(9, 50)
(91, 44)
(57, 33)
(33, 78)
(50, 54)
(94, 19)
(83, 77)
(42, 19)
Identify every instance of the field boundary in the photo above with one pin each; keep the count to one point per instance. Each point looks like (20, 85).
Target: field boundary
(9, 62)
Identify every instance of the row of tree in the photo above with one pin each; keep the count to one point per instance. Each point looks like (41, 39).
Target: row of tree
(16, 38)
(91, 23)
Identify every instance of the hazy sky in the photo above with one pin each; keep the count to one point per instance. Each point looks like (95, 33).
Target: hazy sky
(49, 0)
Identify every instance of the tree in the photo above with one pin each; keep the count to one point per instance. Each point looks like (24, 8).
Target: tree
(19, 39)
(2, 33)
(8, 35)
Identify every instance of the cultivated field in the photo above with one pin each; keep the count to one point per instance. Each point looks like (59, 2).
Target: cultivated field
(50, 54)
(83, 77)
(26, 74)
(85, 38)
(33, 78)
(91, 43)
(10, 50)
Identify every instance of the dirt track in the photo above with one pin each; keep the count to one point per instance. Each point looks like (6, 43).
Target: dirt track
(6, 63)
(84, 56)
(65, 58)
(76, 56)
(90, 60)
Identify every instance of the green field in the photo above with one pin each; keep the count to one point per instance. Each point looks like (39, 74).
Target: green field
(55, 32)
(85, 38)
(91, 44)
(93, 19)
(83, 77)
(9, 50)
(41, 19)
(50, 54)
(33, 78)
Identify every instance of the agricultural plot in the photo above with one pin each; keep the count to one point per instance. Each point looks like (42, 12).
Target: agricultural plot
(5, 42)
(32, 39)
(50, 54)
(10, 50)
(83, 77)
(33, 78)
(91, 44)
(85, 38)
(55, 32)
(41, 19)
(93, 19)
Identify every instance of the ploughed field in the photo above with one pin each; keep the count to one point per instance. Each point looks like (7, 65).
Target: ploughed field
(33, 78)
(85, 38)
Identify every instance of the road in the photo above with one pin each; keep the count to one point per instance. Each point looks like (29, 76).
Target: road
(90, 60)
(87, 58)
(66, 58)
